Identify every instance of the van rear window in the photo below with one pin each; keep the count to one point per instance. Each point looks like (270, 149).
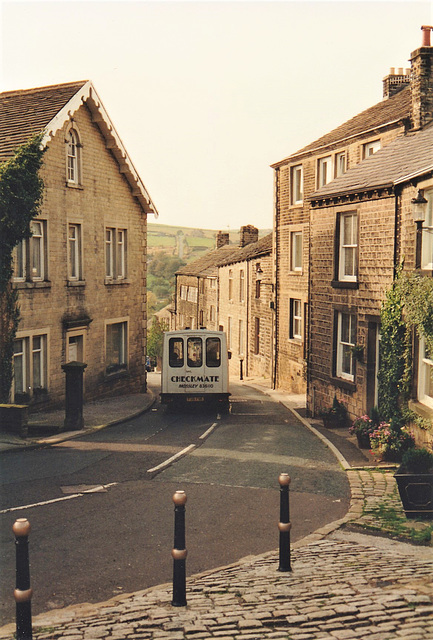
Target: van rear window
(194, 352)
(175, 352)
(213, 352)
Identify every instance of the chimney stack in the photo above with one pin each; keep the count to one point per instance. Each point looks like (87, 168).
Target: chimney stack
(248, 235)
(222, 239)
(422, 82)
(395, 81)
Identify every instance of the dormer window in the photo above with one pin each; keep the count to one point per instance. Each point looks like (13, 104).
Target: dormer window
(73, 157)
(371, 147)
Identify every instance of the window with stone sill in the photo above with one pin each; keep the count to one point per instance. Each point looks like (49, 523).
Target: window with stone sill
(29, 365)
(115, 253)
(346, 340)
(295, 319)
(296, 185)
(73, 157)
(347, 247)
(30, 256)
(75, 262)
(116, 347)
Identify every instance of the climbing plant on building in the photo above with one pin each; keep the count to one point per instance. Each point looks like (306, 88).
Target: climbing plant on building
(21, 190)
(406, 311)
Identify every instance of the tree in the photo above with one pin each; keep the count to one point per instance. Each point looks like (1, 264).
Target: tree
(21, 190)
(155, 338)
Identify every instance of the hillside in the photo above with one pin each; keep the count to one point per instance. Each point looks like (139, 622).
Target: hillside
(186, 243)
(171, 247)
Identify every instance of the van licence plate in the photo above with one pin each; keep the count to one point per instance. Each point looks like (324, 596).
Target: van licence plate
(195, 399)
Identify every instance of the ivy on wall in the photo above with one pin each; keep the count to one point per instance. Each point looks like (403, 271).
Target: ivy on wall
(21, 190)
(407, 309)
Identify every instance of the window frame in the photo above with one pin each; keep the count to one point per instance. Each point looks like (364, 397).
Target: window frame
(295, 319)
(30, 251)
(75, 252)
(296, 184)
(343, 347)
(230, 291)
(73, 148)
(325, 170)
(370, 148)
(427, 234)
(241, 285)
(112, 368)
(29, 353)
(296, 251)
(425, 370)
(344, 247)
(241, 338)
(340, 164)
(116, 254)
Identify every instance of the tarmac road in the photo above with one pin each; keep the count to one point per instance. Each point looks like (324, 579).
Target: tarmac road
(117, 539)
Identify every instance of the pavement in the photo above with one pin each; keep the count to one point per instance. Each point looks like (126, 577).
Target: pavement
(367, 575)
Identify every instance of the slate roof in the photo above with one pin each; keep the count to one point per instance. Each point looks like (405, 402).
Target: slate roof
(407, 157)
(385, 113)
(28, 112)
(228, 254)
(24, 113)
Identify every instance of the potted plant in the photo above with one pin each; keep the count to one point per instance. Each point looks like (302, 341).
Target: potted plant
(390, 442)
(362, 428)
(335, 416)
(415, 483)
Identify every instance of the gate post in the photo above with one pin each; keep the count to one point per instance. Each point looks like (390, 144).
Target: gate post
(284, 525)
(179, 551)
(74, 395)
(23, 592)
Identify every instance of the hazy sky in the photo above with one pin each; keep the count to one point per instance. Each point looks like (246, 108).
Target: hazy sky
(206, 95)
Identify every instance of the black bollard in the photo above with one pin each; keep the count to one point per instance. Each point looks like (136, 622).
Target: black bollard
(179, 551)
(284, 525)
(23, 592)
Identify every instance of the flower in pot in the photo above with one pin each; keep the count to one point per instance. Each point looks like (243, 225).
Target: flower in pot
(335, 416)
(415, 483)
(362, 428)
(389, 442)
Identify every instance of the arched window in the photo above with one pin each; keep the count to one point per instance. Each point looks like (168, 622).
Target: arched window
(73, 150)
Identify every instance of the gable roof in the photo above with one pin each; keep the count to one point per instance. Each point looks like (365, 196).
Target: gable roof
(384, 114)
(208, 264)
(25, 113)
(407, 157)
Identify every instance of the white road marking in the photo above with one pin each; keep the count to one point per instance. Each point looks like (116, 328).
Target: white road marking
(209, 431)
(167, 462)
(96, 489)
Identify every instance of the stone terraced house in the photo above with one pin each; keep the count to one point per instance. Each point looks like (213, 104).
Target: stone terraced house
(231, 288)
(302, 228)
(362, 229)
(81, 276)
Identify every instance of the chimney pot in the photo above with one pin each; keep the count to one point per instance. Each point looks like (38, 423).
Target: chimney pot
(426, 35)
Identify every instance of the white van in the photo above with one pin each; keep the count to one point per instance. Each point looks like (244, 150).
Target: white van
(195, 368)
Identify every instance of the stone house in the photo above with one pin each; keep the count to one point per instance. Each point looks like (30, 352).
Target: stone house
(81, 276)
(231, 289)
(405, 106)
(362, 229)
